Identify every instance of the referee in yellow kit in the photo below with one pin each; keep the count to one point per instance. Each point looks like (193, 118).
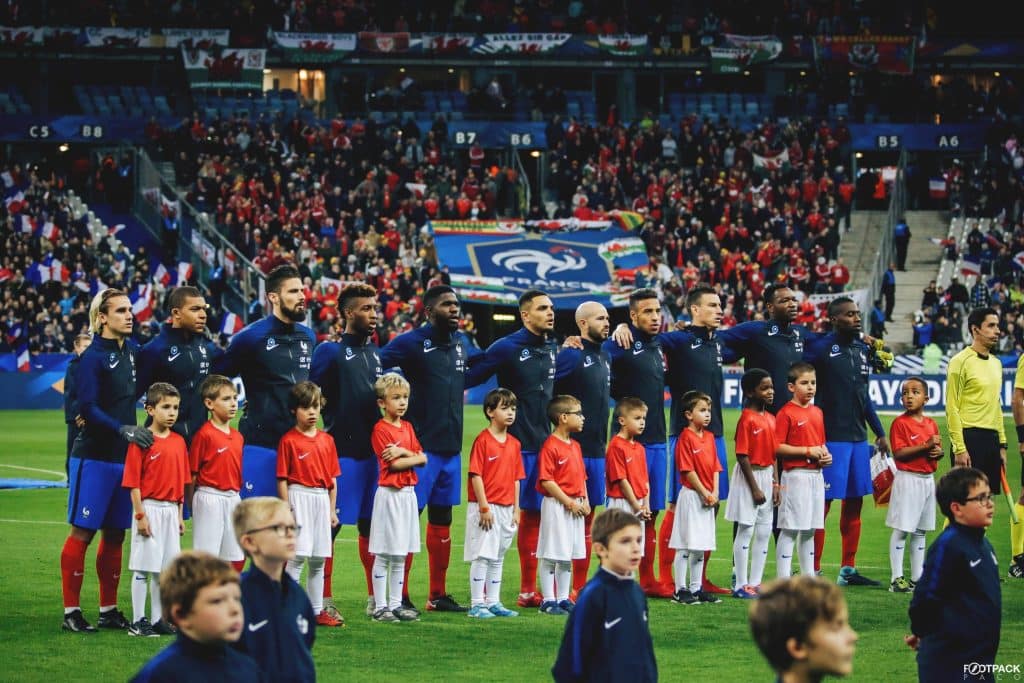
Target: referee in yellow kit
(974, 413)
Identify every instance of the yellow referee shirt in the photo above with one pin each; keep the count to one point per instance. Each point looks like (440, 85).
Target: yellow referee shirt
(1018, 380)
(974, 384)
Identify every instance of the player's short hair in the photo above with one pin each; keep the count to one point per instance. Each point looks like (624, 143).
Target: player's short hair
(499, 398)
(101, 304)
(527, 297)
(561, 404)
(919, 380)
(211, 386)
(305, 394)
(789, 608)
(769, 292)
(176, 297)
(390, 380)
(833, 306)
(610, 521)
(752, 379)
(977, 317)
(627, 404)
(189, 573)
(253, 513)
(638, 295)
(798, 369)
(955, 486)
(346, 300)
(695, 294)
(278, 275)
(160, 390)
(690, 399)
(434, 293)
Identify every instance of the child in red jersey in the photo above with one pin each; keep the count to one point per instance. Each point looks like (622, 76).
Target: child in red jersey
(800, 429)
(492, 514)
(562, 480)
(394, 522)
(627, 484)
(917, 448)
(693, 530)
(215, 459)
(157, 477)
(307, 477)
(754, 488)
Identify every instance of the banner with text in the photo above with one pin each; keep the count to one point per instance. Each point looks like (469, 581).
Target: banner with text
(98, 36)
(196, 38)
(740, 52)
(315, 47)
(224, 68)
(519, 43)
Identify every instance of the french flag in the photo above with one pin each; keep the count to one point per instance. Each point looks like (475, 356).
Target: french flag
(969, 268)
(142, 302)
(24, 360)
(230, 324)
(50, 232)
(114, 229)
(937, 188)
(16, 202)
(28, 224)
(162, 275)
(184, 272)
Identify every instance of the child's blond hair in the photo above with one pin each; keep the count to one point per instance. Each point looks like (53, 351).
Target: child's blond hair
(253, 513)
(391, 380)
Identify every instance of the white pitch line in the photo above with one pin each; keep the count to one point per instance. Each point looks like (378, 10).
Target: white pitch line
(63, 477)
(31, 521)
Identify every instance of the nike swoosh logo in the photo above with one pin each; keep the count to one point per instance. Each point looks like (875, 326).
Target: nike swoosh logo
(446, 540)
(155, 456)
(258, 625)
(114, 364)
(758, 431)
(834, 355)
(611, 624)
(477, 580)
(628, 460)
(914, 436)
(636, 351)
(697, 450)
(303, 455)
(432, 348)
(975, 563)
(221, 450)
(171, 359)
(79, 573)
(562, 462)
(492, 459)
(801, 424)
(379, 577)
(694, 345)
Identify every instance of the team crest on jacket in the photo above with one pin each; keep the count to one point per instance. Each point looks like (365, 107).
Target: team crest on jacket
(111, 358)
(174, 351)
(349, 353)
(303, 625)
(304, 345)
(426, 345)
(271, 344)
(773, 330)
(588, 361)
(202, 349)
(524, 354)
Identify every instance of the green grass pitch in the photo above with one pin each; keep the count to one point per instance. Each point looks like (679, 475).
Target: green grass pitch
(709, 641)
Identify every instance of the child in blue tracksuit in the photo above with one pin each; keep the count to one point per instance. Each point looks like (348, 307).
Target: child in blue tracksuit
(607, 637)
(957, 605)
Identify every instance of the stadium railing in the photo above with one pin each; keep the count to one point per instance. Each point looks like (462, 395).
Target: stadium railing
(897, 207)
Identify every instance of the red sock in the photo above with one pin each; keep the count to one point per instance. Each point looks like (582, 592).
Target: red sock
(367, 559)
(647, 561)
(108, 570)
(849, 527)
(439, 553)
(72, 570)
(704, 571)
(819, 540)
(666, 555)
(405, 579)
(529, 528)
(328, 572)
(581, 568)
(239, 565)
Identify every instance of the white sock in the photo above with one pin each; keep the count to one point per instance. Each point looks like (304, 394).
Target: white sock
(759, 553)
(315, 583)
(396, 577)
(139, 581)
(69, 610)
(547, 580)
(805, 549)
(294, 568)
(563, 580)
(696, 569)
(494, 570)
(679, 565)
(379, 580)
(897, 544)
(784, 553)
(477, 581)
(917, 547)
(741, 553)
(156, 610)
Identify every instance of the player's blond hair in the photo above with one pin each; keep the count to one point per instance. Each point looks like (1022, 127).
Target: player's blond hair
(100, 304)
(186, 575)
(391, 380)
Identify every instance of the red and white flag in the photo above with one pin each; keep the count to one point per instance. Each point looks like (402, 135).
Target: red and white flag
(162, 275)
(937, 188)
(24, 359)
(50, 231)
(184, 272)
(231, 324)
(142, 302)
(969, 268)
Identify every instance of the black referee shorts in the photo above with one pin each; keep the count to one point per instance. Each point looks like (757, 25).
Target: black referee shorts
(983, 447)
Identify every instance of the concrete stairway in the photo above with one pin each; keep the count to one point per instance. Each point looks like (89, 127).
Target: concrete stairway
(923, 259)
(859, 247)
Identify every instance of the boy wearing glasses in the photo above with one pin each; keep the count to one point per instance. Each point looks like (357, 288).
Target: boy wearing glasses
(279, 626)
(956, 609)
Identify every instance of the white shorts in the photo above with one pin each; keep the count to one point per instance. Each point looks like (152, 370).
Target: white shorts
(489, 544)
(623, 504)
(694, 524)
(912, 504)
(212, 528)
(740, 506)
(154, 552)
(394, 522)
(802, 507)
(562, 535)
(312, 509)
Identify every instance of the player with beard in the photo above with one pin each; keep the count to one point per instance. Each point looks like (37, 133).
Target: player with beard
(271, 355)
(434, 359)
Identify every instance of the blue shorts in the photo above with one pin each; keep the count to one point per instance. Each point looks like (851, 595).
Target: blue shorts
(529, 497)
(657, 470)
(96, 499)
(259, 471)
(356, 488)
(596, 484)
(849, 475)
(439, 482)
(723, 476)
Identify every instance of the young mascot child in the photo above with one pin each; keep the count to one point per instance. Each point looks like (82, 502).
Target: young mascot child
(754, 488)
(627, 484)
(280, 626)
(157, 477)
(562, 480)
(693, 530)
(215, 459)
(307, 477)
(800, 428)
(394, 523)
(492, 515)
(956, 611)
(607, 637)
(801, 625)
(917, 448)
(200, 595)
